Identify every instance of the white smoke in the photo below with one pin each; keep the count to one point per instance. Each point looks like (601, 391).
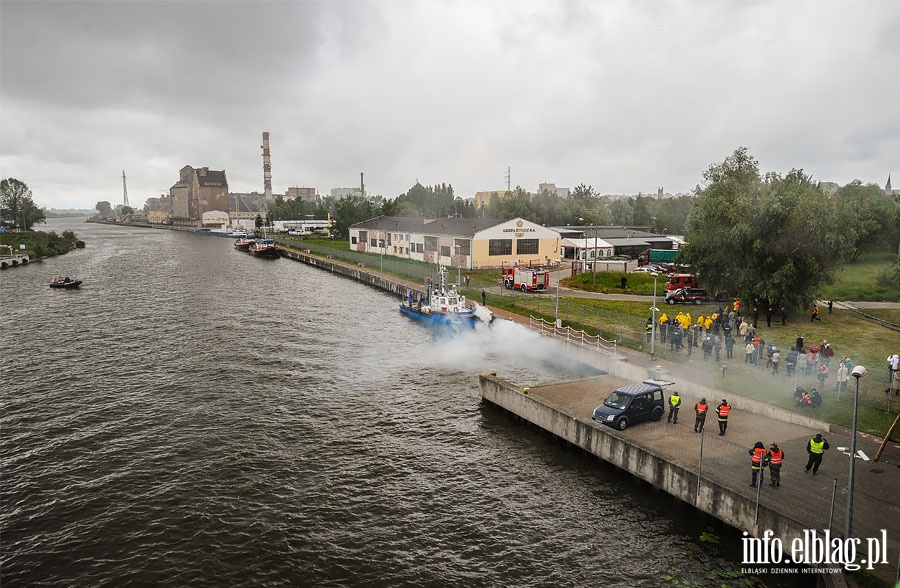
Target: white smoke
(508, 348)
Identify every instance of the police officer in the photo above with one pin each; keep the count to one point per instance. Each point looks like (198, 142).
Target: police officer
(816, 447)
(674, 405)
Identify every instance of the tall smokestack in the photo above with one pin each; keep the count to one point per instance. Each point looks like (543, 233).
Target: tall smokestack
(267, 167)
(362, 185)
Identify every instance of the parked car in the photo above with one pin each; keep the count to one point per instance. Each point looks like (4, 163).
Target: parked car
(643, 269)
(632, 404)
(687, 296)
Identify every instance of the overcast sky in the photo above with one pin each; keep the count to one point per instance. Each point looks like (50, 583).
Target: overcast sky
(625, 96)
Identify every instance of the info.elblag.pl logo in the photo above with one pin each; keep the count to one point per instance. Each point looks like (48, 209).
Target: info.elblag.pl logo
(817, 549)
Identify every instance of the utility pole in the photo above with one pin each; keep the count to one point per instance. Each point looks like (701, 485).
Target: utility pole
(124, 190)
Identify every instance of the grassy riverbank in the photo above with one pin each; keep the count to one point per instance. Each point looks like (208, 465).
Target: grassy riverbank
(40, 244)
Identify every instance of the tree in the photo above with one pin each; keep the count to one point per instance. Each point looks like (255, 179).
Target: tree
(870, 219)
(16, 205)
(773, 240)
(104, 209)
(350, 210)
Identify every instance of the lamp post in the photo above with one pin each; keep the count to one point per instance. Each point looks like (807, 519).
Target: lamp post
(653, 309)
(556, 324)
(858, 372)
(458, 266)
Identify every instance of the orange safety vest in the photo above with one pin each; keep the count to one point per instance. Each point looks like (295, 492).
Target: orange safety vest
(776, 457)
(702, 408)
(758, 455)
(723, 410)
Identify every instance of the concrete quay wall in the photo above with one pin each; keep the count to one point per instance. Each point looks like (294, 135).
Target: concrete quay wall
(620, 366)
(348, 271)
(643, 462)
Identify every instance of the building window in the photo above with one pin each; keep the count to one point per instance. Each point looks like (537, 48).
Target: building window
(431, 244)
(419, 248)
(353, 240)
(527, 247)
(373, 242)
(464, 246)
(445, 251)
(500, 247)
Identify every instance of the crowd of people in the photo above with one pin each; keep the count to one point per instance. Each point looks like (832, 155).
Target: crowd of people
(716, 335)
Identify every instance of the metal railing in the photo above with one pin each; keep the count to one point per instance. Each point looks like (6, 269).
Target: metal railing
(569, 334)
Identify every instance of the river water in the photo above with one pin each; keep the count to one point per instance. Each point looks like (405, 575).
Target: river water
(196, 416)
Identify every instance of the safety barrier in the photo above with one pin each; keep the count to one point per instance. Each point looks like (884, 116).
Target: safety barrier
(569, 334)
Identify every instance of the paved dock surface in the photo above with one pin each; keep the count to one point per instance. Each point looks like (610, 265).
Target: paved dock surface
(725, 459)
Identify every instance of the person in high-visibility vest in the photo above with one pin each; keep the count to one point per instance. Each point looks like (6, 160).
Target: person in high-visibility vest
(758, 458)
(674, 405)
(816, 447)
(701, 408)
(722, 412)
(776, 457)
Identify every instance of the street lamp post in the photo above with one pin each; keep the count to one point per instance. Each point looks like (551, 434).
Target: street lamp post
(653, 309)
(556, 324)
(858, 372)
(458, 266)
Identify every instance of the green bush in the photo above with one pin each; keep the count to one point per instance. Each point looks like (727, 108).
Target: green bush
(889, 278)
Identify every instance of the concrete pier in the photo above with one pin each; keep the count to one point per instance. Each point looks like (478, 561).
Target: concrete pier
(14, 260)
(712, 472)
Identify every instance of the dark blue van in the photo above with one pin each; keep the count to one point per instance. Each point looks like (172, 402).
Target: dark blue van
(634, 403)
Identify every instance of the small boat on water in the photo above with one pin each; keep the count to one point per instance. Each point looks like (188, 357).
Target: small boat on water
(244, 243)
(442, 306)
(264, 247)
(65, 283)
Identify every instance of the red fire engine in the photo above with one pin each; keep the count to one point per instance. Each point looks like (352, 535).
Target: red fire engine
(526, 279)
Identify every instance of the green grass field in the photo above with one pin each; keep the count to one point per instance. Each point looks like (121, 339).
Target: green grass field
(857, 281)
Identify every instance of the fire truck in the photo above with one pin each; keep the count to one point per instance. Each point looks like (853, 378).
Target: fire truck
(527, 279)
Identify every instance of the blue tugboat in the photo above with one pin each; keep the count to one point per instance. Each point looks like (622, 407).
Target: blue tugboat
(442, 306)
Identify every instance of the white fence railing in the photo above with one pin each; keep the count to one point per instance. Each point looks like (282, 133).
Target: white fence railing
(570, 334)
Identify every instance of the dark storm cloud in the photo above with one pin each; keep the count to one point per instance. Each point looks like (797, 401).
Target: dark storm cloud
(624, 96)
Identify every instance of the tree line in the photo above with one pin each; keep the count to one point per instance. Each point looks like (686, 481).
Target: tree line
(772, 238)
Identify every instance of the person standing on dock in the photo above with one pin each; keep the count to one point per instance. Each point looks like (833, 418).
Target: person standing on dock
(483, 298)
(722, 412)
(776, 457)
(758, 458)
(674, 405)
(701, 408)
(816, 448)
